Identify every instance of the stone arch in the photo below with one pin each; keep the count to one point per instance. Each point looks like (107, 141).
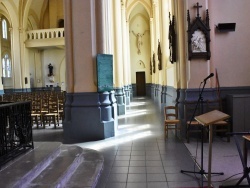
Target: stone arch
(141, 64)
(131, 6)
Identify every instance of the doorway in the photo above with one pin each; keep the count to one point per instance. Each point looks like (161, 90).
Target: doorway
(140, 84)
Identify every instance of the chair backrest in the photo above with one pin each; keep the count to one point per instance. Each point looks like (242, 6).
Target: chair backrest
(191, 109)
(171, 112)
(36, 106)
(213, 105)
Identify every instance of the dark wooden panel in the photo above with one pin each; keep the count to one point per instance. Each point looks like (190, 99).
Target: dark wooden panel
(140, 84)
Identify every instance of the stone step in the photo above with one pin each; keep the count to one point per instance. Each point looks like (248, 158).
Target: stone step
(60, 169)
(52, 164)
(29, 165)
(88, 172)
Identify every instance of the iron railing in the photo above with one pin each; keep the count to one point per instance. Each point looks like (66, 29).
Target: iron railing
(15, 130)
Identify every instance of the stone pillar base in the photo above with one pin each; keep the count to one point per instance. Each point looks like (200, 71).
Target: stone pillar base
(121, 107)
(88, 117)
(127, 93)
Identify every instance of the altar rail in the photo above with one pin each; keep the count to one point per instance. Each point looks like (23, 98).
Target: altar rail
(15, 130)
(45, 34)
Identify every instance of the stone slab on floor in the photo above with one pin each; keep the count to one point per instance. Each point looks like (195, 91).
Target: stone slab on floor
(53, 164)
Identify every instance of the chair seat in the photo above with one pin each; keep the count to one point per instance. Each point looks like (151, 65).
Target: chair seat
(35, 114)
(173, 121)
(193, 123)
(51, 114)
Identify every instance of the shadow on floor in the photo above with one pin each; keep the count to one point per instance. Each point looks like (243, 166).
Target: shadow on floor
(48, 135)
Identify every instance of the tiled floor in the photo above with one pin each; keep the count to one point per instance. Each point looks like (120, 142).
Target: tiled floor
(139, 156)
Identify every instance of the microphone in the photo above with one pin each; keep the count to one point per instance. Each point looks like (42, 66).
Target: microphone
(210, 75)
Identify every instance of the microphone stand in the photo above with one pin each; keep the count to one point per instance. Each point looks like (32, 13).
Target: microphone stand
(202, 171)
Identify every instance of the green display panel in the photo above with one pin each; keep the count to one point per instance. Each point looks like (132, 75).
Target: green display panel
(104, 72)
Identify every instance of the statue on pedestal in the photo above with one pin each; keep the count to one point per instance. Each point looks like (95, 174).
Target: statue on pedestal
(50, 70)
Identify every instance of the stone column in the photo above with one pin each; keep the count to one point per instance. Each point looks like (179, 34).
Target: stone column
(107, 26)
(156, 38)
(1, 72)
(126, 75)
(164, 46)
(16, 52)
(152, 52)
(88, 114)
(180, 12)
(118, 60)
(128, 63)
(108, 48)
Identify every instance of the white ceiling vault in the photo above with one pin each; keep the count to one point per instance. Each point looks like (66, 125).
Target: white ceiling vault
(141, 7)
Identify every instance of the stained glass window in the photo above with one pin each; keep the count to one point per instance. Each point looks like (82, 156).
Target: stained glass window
(6, 65)
(4, 28)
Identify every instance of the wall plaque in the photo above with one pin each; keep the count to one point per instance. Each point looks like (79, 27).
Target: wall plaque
(104, 72)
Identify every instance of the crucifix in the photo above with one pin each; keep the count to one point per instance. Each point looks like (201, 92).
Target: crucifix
(139, 40)
(197, 6)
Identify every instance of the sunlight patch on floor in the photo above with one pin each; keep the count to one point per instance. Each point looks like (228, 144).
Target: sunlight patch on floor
(97, 145)
(136, 104)
(135, 128)
(134, 113)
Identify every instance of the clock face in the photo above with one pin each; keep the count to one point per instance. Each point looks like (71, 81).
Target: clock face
(198, 42)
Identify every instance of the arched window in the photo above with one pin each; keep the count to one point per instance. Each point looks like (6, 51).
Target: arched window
(6, 65)
(4, 28)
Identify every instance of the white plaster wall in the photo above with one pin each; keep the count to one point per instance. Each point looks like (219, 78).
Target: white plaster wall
(57, 58)
(140, 62)
(32, 69)
(230, 50)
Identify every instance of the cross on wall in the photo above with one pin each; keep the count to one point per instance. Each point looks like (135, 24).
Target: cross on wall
(198, 7)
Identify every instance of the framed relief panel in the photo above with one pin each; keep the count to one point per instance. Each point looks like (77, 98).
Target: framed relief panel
(198, 36)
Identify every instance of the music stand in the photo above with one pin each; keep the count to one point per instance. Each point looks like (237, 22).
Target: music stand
(208, 119)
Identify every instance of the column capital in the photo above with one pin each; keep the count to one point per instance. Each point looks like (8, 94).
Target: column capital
(21, 29)
(123, 2)
(155, 3)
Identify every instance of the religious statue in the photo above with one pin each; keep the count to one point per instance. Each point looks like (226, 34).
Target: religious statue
(139, 40)
(153, 62)
(50, 70)
(198, 41)
(159, 56)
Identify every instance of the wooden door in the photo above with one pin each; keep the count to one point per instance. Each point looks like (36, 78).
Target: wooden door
(140, 84)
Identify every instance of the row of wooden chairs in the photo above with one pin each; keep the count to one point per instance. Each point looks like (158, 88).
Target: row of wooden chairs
(47, 107)
(47, 110)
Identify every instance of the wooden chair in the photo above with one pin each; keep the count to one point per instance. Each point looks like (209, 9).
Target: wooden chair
(52, 116)
(192, 126)
(221, 127)
(171, 119)
(36, 114)
(61, 102)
